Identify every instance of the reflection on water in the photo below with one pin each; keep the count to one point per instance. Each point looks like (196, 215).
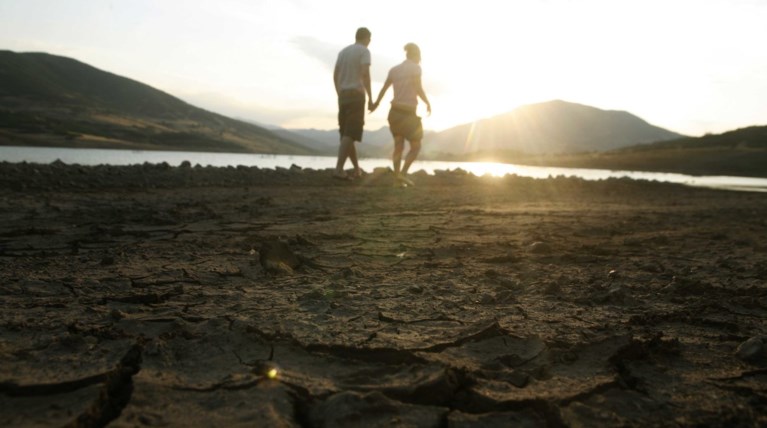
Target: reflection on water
(132, 157)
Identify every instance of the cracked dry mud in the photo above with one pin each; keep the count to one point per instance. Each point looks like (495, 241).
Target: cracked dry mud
(158, 296)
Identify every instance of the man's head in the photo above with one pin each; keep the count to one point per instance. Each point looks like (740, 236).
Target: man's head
(363, 36)
(413, 52)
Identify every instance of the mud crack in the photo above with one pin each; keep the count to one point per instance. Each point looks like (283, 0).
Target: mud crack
(114, 395)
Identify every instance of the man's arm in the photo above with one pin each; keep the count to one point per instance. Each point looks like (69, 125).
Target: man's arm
(366, 82)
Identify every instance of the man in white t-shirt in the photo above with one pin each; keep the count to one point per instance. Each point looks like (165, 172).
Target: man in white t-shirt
(352, 80)
(403, 121)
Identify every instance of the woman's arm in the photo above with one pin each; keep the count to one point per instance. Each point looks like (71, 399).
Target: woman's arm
(381, 94)
(423, 96)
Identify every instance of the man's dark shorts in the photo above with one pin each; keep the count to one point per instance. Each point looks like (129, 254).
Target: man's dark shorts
(351, 114)
(405, 123)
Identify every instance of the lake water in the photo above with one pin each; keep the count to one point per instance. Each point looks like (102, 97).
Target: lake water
(130, 157)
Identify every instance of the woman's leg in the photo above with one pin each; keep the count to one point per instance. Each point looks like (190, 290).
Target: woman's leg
(396, 157)
(415, 148)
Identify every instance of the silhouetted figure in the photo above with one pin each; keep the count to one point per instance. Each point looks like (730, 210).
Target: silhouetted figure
(403, 121)
(352, 80)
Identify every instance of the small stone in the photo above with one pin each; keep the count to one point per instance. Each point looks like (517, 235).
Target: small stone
(509, 284)
(505, 296)
(518, 378)
(752, 350)
(552, 288)
(117, 314)
(276, 257)
(415, 289)
(540, 248)
(277, 267)
(302, 240)
(487, 299)
(348, 273)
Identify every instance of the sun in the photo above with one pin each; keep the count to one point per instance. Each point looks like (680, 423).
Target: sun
(463, 91)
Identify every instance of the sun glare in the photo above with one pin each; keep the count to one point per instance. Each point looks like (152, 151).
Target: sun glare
(494, 169)
(462, 92)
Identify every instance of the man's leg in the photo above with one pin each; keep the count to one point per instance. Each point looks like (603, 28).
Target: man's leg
(353, 158)
(354, 121)
(343, 153)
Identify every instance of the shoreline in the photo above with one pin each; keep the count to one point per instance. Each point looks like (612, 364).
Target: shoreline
(319, 163)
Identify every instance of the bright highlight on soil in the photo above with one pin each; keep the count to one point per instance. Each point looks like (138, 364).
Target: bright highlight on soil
(272, 373)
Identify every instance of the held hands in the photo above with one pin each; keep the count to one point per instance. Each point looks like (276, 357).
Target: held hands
(372, 106)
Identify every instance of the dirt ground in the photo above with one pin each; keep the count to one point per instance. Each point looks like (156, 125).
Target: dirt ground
(162, 296)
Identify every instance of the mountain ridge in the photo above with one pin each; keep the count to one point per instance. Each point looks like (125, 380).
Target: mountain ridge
(52, 100)
(551, 127)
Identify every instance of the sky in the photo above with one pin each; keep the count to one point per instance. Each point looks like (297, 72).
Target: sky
(690, 66)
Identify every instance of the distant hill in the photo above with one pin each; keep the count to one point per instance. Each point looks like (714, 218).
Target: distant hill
(550, 127)
(50, 100)
(749, 138)
(742, 152)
